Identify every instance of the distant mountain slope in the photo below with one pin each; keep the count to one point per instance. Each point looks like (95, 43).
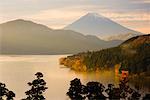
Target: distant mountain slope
(133, 55)
(137, 41)
(124, 36)
(95, 24)
(26, 37)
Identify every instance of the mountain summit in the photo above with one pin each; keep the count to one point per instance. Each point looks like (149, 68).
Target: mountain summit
(27, 37)
(96, 15)
(95, 24)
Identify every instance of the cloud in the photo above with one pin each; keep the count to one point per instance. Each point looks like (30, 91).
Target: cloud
(140, 1)
(59, 13)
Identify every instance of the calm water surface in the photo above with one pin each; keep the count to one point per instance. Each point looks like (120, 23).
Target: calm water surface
(17, 71)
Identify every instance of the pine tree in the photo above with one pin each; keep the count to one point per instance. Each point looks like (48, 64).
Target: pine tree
(38, 87)
(5, 93)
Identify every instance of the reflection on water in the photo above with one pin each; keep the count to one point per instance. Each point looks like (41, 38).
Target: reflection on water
(104, 77)
(17, 71)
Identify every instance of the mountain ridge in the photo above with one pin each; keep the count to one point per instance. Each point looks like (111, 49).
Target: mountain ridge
(26, 37)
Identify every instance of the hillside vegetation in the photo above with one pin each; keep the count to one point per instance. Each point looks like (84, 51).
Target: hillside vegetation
(133, 55)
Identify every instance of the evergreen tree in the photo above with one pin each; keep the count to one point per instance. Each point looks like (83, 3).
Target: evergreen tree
(76, 90)
(95, 91)
(38, 87)
(5, 93)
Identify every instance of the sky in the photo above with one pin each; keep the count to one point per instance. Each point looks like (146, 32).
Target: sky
(134, 14)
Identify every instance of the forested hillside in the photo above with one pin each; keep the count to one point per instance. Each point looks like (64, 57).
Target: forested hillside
(133, 55)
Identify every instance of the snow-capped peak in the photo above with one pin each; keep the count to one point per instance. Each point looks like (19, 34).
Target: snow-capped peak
(96, 15)
(98, 25)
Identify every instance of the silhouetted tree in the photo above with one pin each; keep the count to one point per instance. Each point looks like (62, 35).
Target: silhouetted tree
(76, 90)
(5, 93)
(95, 90)
(112, 92)
(146, 97)
(135, 96)
(38, 87)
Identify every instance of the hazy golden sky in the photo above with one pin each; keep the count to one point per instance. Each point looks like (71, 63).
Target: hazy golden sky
(134, 14)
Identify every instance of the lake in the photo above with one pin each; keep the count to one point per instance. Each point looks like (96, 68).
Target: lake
(16, 71)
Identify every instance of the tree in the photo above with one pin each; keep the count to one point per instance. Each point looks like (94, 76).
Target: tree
(76, 90)
(5, 93)
(38, 87)
(95, 90)
(146, 97)
(92, 91)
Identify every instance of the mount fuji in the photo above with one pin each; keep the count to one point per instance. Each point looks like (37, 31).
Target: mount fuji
(102, 27)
